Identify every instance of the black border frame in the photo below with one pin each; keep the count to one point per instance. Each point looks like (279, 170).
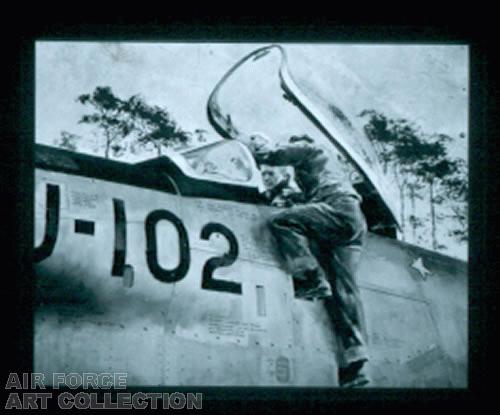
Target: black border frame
(17, 185)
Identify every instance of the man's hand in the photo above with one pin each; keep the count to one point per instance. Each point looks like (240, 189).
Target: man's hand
(279, 202)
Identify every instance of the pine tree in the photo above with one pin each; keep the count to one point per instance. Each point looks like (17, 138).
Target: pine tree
(109, 116)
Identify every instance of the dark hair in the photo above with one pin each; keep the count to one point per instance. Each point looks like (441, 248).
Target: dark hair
(304, 137)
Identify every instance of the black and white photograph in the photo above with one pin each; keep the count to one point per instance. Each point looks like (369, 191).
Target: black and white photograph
(252, 214)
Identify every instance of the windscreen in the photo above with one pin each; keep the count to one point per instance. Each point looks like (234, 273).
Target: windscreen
(222, 161)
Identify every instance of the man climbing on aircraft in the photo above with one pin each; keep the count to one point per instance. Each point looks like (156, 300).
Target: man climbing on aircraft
(331, 223)
(278, 191)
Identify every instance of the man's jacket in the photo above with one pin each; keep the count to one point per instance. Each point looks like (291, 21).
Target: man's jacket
(317, 173)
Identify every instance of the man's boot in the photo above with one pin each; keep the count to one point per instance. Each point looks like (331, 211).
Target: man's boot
(354, 376)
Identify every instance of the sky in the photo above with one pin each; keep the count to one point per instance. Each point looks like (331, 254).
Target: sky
(427, 84)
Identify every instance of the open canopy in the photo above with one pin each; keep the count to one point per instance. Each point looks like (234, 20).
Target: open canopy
(258, 94)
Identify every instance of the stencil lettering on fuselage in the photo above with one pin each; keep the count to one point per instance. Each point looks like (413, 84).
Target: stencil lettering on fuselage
(154, 239)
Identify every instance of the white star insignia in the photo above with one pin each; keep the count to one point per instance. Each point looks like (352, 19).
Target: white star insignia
(418, 264)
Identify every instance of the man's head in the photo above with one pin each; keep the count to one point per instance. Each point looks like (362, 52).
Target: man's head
(271, 176)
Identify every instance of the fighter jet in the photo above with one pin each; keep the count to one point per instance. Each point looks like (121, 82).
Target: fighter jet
(165, 270)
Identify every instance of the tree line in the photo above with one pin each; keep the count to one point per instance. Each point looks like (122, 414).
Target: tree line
(423, 169)
(419, 162)
(115, 120)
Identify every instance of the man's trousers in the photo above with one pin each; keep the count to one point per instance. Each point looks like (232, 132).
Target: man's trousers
(329, 234)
